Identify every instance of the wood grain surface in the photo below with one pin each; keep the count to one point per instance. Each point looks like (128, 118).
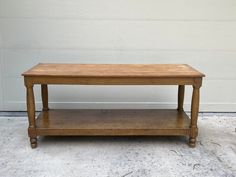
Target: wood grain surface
(113, 70)
(112, 122)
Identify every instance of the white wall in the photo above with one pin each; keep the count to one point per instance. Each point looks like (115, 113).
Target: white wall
(200, 33)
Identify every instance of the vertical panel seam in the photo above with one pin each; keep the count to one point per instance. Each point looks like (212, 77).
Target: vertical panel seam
(1, 80)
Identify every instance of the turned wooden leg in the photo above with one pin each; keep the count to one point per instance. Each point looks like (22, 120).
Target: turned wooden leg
(44, 94)
(181, 97)
(31, 116)
(194, 116)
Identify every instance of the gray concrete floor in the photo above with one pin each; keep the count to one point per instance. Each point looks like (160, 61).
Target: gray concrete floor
(215, 154)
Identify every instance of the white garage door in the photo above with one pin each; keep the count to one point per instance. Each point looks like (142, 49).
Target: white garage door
(200, 33)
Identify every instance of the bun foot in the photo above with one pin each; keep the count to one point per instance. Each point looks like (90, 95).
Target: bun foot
(192, 142)
(33, 143)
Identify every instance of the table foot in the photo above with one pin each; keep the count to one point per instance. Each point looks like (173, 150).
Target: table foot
(192, 142)
(33, 143)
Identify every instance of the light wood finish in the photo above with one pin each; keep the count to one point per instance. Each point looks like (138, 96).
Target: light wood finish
(113, 122)
(114, 70)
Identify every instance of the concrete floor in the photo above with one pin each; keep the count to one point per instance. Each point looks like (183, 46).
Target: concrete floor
(215, 154)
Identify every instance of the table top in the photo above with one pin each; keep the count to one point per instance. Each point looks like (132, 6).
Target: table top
(113, 70)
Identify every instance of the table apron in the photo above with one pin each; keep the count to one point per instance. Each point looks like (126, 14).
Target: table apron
(31, 80)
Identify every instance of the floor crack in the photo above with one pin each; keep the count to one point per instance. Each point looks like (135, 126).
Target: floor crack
(127, 174)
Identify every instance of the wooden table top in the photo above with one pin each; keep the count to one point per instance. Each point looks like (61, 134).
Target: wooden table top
(113, 70)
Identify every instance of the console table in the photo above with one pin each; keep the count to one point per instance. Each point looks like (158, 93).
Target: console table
(112, 122)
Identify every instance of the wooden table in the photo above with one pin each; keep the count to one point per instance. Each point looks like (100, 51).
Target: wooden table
(114, 122)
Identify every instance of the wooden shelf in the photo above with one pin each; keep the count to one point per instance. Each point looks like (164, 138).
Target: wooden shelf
(112, 122)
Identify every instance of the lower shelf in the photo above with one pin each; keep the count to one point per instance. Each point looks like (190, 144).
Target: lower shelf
(116, 122)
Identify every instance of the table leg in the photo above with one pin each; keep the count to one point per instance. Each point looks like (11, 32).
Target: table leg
(44, 94)
(194, 116)
(181, 97)
(31, 116)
